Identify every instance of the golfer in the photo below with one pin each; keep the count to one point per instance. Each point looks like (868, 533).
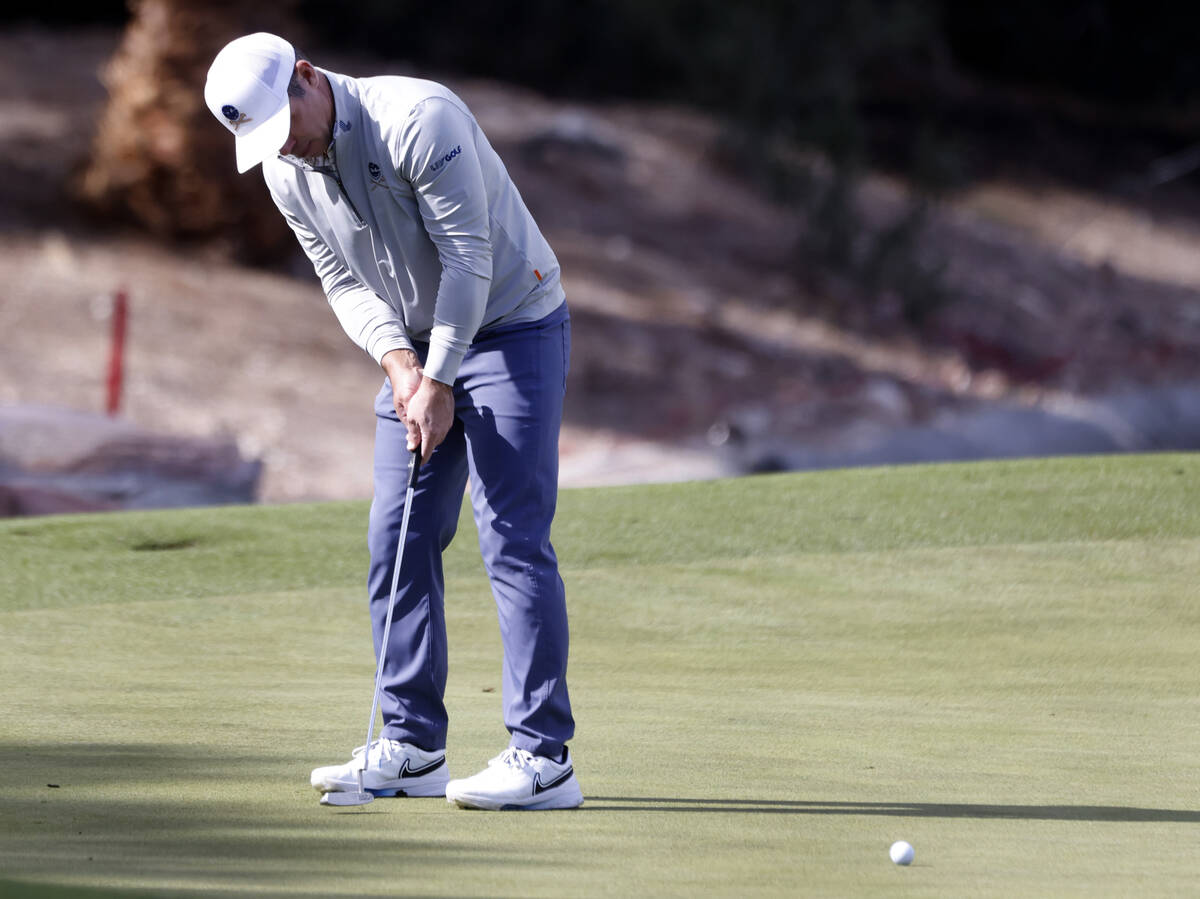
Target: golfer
(433, 266)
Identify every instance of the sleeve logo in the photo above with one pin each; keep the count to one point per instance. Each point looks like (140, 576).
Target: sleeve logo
(449, 156)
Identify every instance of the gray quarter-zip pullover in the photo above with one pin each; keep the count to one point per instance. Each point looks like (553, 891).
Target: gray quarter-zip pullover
(413, 225)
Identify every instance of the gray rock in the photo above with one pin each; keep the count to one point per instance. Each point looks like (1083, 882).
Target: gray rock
(1147, 420)
(60, 460)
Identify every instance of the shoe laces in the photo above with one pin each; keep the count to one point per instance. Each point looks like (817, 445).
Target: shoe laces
(514, 758)
(376, 749)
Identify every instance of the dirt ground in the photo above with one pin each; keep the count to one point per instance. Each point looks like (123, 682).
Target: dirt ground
(693, 316)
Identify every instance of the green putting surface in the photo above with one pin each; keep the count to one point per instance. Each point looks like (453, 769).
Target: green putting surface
(774, 678)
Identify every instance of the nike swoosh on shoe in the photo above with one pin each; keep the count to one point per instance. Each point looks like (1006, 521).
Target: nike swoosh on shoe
(539, 787)
(406, 771)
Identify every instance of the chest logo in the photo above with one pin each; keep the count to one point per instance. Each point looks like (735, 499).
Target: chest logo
(377, 179)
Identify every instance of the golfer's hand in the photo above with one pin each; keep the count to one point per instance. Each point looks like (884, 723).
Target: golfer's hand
(430, 414)
(404, 371)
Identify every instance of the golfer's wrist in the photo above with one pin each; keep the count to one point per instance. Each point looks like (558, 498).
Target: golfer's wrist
(395, 361)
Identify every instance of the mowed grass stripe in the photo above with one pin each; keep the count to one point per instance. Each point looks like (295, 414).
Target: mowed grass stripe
(774, 678)
(253, 549)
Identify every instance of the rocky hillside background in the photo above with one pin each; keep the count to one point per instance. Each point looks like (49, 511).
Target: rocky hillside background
(714, 331)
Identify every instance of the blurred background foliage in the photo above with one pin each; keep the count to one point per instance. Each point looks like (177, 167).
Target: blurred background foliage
(939, 92)
(819, 70)
(814, 70)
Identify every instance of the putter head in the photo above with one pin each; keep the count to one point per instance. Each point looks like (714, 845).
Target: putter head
(347, 798)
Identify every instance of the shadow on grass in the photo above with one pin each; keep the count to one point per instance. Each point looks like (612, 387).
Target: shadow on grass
(201, 818)
(894, 809)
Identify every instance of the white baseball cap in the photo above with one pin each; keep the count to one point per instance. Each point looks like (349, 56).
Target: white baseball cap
(247, 92)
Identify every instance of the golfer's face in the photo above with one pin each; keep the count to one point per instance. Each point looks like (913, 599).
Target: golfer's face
(312, 125)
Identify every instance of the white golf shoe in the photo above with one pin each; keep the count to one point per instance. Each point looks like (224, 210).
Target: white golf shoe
(393, 769)
(519, 780)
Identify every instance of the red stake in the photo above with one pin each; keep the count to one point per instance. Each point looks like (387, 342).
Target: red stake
(116, 358)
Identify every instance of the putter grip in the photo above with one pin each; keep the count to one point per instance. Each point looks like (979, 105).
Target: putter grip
(414, 466)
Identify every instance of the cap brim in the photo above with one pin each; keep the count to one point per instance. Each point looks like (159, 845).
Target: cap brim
(265, 140)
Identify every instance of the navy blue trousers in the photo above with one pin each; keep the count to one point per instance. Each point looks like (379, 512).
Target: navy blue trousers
(504, 441)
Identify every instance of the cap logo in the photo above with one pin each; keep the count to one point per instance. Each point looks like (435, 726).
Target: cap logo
(235, 117)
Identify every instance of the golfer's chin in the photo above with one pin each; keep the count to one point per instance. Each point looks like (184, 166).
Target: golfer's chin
(300, 152)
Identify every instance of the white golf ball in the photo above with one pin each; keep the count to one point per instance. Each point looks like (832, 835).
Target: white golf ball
(901, 852)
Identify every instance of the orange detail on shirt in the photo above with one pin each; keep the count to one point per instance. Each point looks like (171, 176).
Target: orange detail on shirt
(537, 274)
